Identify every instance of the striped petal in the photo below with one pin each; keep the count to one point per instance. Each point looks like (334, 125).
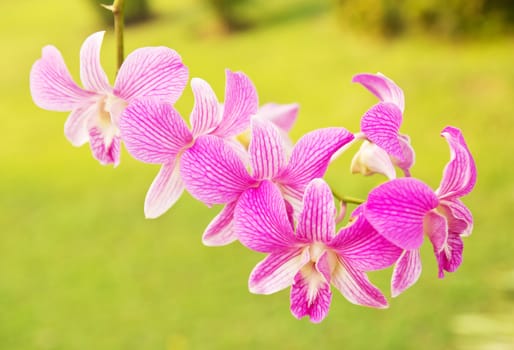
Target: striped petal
(76, 126)
(450, 257)
(282, 116)
(91, 72)
(277, 271)
(261, 220)
(166, 189)
(213, 172)
(153, 131)
(356, 287)
(241, 102)
(51, 84)
(317, 219)
(397, 209)
(381, 124)
(460, 219)
(382, 87)
(221, 229)
(267, 150)
(105, 145)
(460, 174)
(406, 271)
(152, 72)
(205, 115)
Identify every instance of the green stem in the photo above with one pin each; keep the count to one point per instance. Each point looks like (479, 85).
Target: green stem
(347, 199)
(117, 10)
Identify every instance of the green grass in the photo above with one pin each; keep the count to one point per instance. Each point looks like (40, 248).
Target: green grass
(80, 267)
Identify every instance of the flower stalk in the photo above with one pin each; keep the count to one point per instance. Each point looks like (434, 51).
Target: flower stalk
(347, 199)
(119, 25)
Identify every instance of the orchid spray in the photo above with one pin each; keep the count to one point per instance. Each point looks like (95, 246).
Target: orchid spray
(275, 199)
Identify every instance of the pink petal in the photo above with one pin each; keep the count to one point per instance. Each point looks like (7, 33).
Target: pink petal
(382, 87)
(371, 159)
(361, 245)
(310, 298)
(76, 126)
(408, 155)
(51, 84)
(166, 189)
(317, 219)
(460, 219)
(105, 146)
(152, 72)
(310, 157)
(324, 266)
(436, 228)
(91, 72)
(283, 116)
(450, 257)
(153, 131)
(205, 116)
(267, 150)
(397, 208)
(241, 102)
(356, 287)
(261, 221)
(277, 271)
(381, 124)
(406, 271)
(212, 171)
(221, 229)
(460, 174)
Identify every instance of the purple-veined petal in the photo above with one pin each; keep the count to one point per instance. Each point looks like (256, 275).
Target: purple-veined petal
(317, 219)
(205, 115)
(382, 87)
(91, 72)
(371, 159)
(105, 145)
(310, 157)
(166, 189)
(408, 155)
(266, 149)
(153, 131)
(241, 102)
(324, 266)
(51, 84)
(406, 271)
(396, 209)
(356, 287)
(76, 126)
(221, 229)
(310, 295)
(436, 228)
(283, 116)
(277, 271)
(381, 124)
(460, 219)
(361, 245)
(450, 257)
(460, 174)
(213, 172)
(152, 72)
(261, 221)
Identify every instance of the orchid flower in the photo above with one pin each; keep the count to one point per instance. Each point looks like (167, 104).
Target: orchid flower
(156, 72)
(214, 172)
(384, 146)
(154, 132)
(313, 256)
(403, 210)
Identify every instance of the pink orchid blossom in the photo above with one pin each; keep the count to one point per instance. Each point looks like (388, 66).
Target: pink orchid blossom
(403, 210)
(215, 174)
(154, 132)
(313, 256)
(156, 72)
(380, 126)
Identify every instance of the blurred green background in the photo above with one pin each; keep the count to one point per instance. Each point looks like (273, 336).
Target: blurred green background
(80, 267)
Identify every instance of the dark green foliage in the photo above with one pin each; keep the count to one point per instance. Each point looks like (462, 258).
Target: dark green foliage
(439, 17)
(135, 11)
